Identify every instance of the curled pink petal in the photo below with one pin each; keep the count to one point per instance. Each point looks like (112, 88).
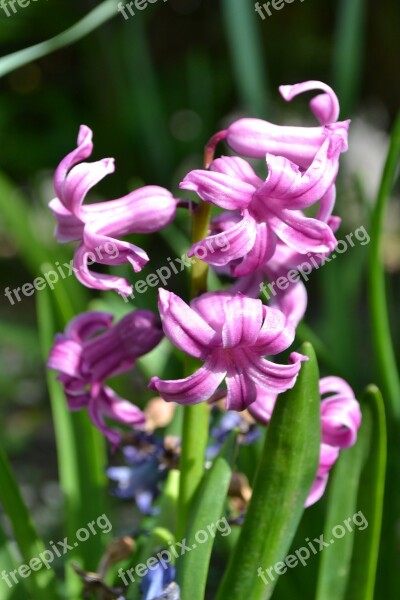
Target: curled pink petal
(183, 326)
(65, 354)
(340, 413)
(317, 490)
(92, 350)
(196, 388)
(235, 351)
(232, 244)
(324, 106)
(86, 324)
(97, 227)
(243, 320)
(223, 190)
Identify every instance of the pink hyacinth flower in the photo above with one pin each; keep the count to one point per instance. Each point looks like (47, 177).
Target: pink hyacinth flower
(340, 422)
(265, 211)
(340, 413)
(255, 138)
(90, 351)
(231, 334)
(291, 295)
(98, 227)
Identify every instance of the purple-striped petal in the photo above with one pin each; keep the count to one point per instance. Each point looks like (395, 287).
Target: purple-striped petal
(270, 376)
(256, 138)
(286, 186)
(276, 333)
(81, 179)
(236, 167)
(145, 210)
(94, 280)
(230, 245)
(243, 320)
(262, 250)
(222, 190)
(241, 390)
(324, 106)
(317, 490)
(302, 233)
(65, 356)
(186, 329)
(69, 228)
(108, 404)
(340, 413)
(83, 326)
(211, 306)
(83, 151)
(196, 388)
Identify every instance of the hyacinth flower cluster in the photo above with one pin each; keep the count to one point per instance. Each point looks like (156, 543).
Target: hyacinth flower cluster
(266, 227)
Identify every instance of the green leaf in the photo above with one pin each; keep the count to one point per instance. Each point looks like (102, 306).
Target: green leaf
(81, 457)
(348, 51)
(7, 563)
(40, 583)
(207, 510)
(383, 345)
(284, 478)
(242, 31)
(370, 500)
(99, 15)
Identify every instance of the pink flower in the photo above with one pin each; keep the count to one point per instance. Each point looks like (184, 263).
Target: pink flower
(90, 351)
(230, 334)
(255, 138)
(290, 296)
(266, 211)
(97, 226)
(340, 422)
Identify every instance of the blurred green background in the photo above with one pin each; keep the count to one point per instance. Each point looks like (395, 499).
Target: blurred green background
(154, 88)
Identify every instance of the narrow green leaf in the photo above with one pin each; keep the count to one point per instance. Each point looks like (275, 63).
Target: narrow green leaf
(383, 345)
(335, 562)
(7, 563)
(370, 500)
(242, 31)
(207, 510)
(29, 543)
(348, 51)
(67, 451)
(81, 457)
(94, 19)
(284, 478)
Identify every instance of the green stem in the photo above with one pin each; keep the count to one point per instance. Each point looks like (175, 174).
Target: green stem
(99, 15)
(383, 345)
(195, 418)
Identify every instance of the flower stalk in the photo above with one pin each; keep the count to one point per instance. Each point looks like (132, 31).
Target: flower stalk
(195, 418)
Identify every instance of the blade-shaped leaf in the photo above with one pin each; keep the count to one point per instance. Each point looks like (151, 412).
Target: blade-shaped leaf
(284, 477)
(370, 500)
(207, 509)
(40, 582)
